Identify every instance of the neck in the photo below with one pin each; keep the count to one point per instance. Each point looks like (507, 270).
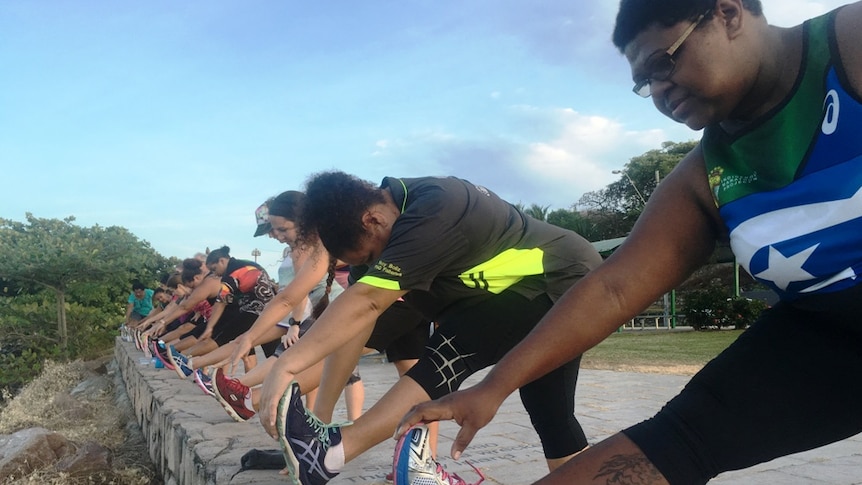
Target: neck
(389, 207)
(781, 60)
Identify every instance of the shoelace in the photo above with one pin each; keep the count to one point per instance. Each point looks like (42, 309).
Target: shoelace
(234, 386)
(318, 427)
(454, 479)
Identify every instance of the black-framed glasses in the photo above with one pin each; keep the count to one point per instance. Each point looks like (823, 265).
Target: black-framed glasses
(661, 66)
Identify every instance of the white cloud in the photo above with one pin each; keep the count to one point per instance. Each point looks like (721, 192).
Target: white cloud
(561, 156)
(583, 154)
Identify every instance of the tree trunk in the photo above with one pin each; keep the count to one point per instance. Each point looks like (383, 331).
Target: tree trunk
(62, 328)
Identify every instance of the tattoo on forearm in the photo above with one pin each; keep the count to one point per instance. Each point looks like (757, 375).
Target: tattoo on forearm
(632, 469)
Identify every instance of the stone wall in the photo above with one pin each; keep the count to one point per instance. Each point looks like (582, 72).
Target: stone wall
(192, 440)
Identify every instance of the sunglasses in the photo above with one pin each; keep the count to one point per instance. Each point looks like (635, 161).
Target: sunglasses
(661, 66)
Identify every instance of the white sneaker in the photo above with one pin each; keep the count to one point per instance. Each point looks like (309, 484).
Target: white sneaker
(414, 465)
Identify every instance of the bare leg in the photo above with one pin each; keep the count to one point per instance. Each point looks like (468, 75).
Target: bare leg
(185, 343)
(379, 422)
(310, 398)
(402, 366)
(614, 460)
(256, 376)
(307, 379)
(249, 362)
(336, 370)
(354, 397)
(178, 332)
(200, 348)
(218, 356)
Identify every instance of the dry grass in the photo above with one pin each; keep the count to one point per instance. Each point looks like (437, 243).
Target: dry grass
(128, 476)
(46, 402)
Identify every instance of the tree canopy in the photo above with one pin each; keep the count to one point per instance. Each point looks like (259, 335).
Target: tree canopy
(94, 264)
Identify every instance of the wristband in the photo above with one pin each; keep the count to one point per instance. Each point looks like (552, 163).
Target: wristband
(292, 321)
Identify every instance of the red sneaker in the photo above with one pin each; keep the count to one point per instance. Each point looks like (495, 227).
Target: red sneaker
(232, 393)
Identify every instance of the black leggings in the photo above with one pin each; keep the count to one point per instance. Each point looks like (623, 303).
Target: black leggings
(789, 383)
(478, 336)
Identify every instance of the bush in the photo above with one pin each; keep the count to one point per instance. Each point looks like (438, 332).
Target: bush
(711, 308)
(28, 336)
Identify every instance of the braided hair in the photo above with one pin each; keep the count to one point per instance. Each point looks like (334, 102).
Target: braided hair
(324, 300)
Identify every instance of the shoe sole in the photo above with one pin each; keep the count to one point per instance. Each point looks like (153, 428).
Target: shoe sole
(203, 386)
(401, 457)
(290, 460)
(176, 364)
(158, 355)
(226, 405)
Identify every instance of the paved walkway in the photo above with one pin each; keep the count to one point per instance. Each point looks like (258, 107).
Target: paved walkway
(507, 450)
(196, 439)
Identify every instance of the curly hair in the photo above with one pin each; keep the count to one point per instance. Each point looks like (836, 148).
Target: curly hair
(288, 204)
(336, 202)
(635, 16)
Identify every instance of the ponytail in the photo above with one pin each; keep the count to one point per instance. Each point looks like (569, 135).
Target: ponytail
(324, 300)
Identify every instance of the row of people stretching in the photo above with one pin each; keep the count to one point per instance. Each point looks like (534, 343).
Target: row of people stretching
(777, 173)
(216, 300)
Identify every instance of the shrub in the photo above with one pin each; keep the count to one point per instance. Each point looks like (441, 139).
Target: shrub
(711, 308)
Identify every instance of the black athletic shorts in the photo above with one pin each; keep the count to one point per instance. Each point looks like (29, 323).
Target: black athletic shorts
(231, 326)
(478, 336)
(789, 383)
(200, 326)
(277, 345)
(401, 332)
(175, 324)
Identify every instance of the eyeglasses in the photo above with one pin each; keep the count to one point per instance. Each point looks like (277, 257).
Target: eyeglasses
(661, 67)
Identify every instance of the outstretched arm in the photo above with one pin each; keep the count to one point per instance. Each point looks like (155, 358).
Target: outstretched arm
(674, 236)
(290, 297)
(346, 317)
(207, 289)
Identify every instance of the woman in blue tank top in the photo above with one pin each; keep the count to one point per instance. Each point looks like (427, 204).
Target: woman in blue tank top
(778, 173)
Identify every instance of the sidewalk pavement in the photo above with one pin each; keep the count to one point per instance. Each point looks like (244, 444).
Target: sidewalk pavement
(508, 451)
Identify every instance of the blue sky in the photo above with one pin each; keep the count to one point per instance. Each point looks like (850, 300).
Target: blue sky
(177, 119)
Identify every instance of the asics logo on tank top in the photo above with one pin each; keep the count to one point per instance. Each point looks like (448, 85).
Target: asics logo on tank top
(832, 108)
(804, 241)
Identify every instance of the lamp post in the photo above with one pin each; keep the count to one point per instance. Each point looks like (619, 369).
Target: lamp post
(632, 182)
(255, 252)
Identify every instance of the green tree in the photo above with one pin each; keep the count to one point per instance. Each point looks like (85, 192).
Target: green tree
(66, 259)
(615, 208)
(537, 212)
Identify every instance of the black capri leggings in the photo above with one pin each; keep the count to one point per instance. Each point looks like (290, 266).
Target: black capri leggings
(478, 336)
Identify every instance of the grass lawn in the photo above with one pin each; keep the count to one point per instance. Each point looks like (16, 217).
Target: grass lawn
(674, 352)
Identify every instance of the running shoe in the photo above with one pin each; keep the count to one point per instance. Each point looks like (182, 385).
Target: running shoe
(180, 362)
(136, 337)
(304, 440)
(161, 353)
(145, 346)
(204, 382)
(414, 465)
(232, 394)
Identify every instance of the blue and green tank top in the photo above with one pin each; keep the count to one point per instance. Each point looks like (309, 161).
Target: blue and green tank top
(789, 186)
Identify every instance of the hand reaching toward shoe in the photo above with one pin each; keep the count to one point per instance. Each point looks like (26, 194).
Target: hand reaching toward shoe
(472, 409)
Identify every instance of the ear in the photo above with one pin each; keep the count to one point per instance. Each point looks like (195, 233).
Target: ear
(370, 218)
(730, 13)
